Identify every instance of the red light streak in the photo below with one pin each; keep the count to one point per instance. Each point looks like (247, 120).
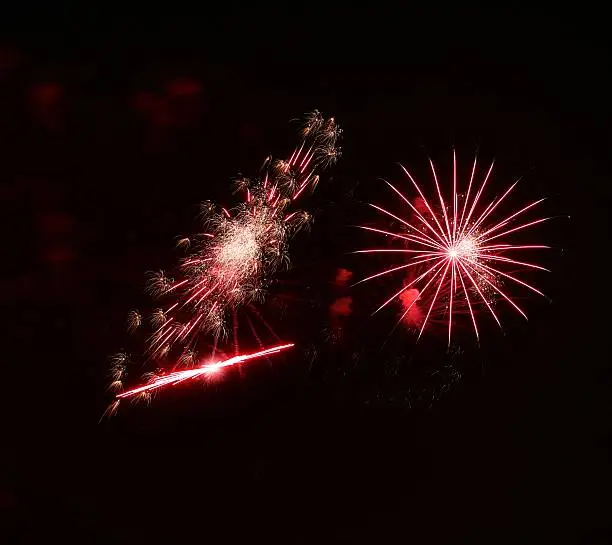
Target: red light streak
(206, 369)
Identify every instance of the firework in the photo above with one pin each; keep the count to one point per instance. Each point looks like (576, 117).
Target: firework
(459, 258)
(204, 370)
(231, 264)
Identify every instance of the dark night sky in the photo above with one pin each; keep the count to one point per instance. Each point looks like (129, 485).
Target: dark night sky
(114, 128)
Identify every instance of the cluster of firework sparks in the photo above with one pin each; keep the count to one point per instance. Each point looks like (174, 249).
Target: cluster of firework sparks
(231, 264)
(459, 259)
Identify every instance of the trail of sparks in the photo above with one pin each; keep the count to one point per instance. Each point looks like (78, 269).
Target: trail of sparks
(464, 267)
(231, 264)
(206, 369)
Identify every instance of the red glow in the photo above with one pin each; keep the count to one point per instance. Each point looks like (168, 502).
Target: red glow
(342, 277)
(183, 87)
(46, 101)
(45, 95)
(341, 307)
(413, 314)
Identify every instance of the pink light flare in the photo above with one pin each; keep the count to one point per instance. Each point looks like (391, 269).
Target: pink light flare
(458, 257)
(206, 369)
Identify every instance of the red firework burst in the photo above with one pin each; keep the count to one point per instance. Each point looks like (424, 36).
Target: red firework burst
(243, 248)
(459, 254)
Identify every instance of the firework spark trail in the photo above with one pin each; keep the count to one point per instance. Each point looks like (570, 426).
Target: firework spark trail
(464, 268)
(236, 259)
(206, 369)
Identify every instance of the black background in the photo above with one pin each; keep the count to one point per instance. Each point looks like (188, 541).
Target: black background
(115, 125)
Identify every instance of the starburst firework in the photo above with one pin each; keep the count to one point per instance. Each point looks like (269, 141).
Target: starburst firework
(459, 254)
(234, 261)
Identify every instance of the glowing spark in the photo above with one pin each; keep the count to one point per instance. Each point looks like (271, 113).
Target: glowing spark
(463, 267)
